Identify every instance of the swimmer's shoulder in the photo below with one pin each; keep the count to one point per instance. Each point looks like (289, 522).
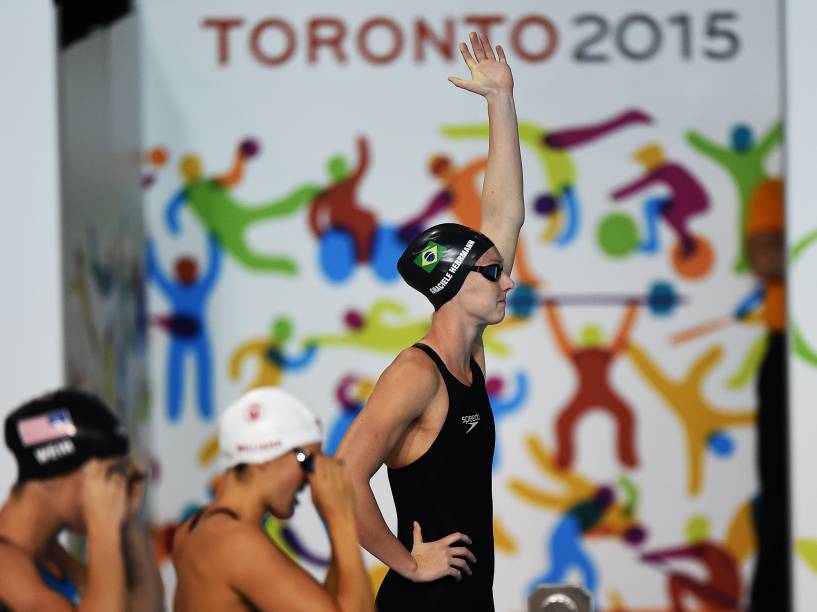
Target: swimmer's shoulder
(414, 368)
(180, 536)
(414, 355)
(216, 530)
(206, 562)
(11, 556)
(22, 587)
(208, 533)
(405, 387)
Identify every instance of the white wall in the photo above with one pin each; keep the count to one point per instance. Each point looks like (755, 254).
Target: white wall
(30, 274)
(801, 161)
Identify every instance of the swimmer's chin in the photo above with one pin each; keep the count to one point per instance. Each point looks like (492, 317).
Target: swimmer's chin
(501, 316)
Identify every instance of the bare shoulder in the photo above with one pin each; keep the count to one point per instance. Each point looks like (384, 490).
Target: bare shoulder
(228, 538)
(410, 382)
(22, 588)
(226, 560)
(180, 536)
(220, 539)
(402, 394)
(412, 367)
(217, 529)
(14, 562)
(210, 533)
(240, 538)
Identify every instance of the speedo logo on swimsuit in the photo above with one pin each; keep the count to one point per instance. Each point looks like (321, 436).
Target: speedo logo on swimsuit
(471, 420)
(454, 267)
(54, 451)
(429, 257)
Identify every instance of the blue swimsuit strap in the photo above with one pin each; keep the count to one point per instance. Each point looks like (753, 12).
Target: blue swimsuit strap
(64, 587)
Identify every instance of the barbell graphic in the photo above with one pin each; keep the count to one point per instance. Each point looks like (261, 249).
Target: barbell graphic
(661, 299)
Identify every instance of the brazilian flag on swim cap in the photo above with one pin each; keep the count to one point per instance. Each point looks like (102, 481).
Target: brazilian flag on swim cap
(429, 263)
(430, 256)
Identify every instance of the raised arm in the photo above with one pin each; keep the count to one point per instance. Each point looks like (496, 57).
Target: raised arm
(679, 552)
(503, 207)
(633, 187)
(347, 581)
(347, 588)
(362, 159)
(243, 352)
(214, 267)
(172, 211)
(145, 592)
(154, 269)
(555, 323)
(706, 146)
(655, 376)
(317, 218)
(771, 140)
(297, 362)
(302, 593)
(105, 509)
(233, 176)
(623, 338)
(391, 409)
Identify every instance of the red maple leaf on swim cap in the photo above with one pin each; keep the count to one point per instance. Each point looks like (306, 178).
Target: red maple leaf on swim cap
(254, 412)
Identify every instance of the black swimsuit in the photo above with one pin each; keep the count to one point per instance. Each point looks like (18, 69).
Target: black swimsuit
(448, 490)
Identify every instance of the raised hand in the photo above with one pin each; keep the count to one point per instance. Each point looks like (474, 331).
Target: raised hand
(441, 558)
(137, 479)
(104, 496)
(490, 73)
(332, 491)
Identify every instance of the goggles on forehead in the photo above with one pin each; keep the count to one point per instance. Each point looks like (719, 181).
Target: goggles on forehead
(492, 272)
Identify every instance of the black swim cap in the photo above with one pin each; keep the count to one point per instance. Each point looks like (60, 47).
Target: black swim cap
(58, 432)
(438, 260)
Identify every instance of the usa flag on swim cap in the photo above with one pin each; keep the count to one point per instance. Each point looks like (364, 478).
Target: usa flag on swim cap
(46, 427)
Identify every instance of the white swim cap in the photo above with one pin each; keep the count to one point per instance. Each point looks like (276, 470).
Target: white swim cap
(263, 424)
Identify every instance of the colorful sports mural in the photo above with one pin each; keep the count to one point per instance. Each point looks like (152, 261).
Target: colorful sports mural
(622, 377)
